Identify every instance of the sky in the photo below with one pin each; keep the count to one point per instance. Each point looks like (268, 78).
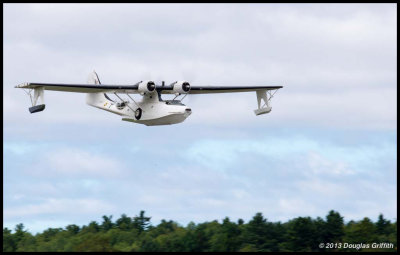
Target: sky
(329, 143)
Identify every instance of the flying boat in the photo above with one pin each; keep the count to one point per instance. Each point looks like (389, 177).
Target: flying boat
(152, 109)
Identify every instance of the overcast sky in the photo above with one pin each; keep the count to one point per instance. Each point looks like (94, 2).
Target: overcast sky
(329, 142)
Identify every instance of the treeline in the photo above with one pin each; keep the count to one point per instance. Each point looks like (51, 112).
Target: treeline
(137, 234)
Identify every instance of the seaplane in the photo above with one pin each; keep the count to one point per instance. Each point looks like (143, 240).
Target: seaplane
(151, 110)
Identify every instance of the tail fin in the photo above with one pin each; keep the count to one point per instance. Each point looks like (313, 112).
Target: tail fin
(93, 78)
(96, 99)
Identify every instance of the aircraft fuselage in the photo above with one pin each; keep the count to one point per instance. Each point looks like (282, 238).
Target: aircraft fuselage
(151, 111)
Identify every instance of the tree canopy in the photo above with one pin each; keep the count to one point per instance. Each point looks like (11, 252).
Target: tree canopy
(136, 233)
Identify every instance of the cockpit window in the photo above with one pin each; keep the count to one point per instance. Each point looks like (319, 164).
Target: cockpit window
(173, 102)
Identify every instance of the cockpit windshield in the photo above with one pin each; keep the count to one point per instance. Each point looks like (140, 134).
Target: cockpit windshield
(174, 102)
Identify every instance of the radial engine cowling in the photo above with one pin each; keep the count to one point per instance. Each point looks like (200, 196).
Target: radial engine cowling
(181, 87)
(146, 87)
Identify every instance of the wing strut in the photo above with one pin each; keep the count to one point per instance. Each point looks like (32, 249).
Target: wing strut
(123, 101)
(132, 100)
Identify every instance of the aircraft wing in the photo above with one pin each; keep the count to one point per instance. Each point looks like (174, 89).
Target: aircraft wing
(229, 89)
(38, 88)
(81, 88)
(93, 88)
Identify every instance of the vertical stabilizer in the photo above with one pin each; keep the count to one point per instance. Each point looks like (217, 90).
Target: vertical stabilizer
(98, 100)
(93, 78)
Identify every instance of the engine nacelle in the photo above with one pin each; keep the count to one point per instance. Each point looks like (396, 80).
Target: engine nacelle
(146, 87)
(181, 87)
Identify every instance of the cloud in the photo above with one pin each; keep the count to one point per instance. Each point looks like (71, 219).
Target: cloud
(72, 162)
(320, 165)
(58, 206)
(19, 148)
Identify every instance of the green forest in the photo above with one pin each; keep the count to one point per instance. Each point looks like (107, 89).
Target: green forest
(257, 235)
